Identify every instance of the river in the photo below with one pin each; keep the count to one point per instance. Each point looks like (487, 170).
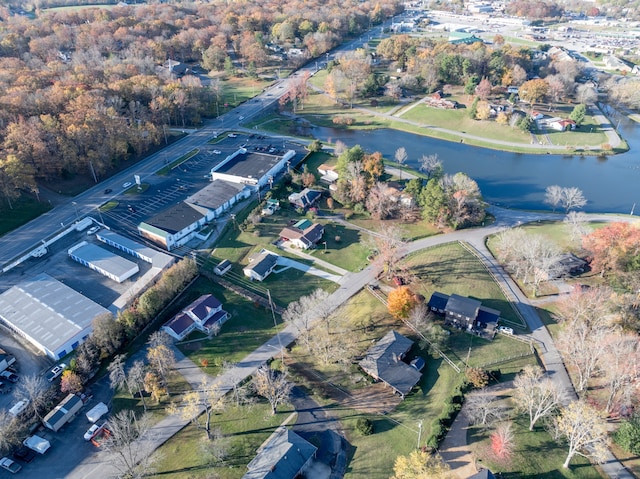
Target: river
(514, 180)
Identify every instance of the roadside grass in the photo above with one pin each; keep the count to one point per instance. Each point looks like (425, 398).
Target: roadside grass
(108, 206)
(167, 169)
(238, 89)
(410, 231)
(490, 355)
(24, 210)
(136, 190)
(449, 269)
(536, 455)
(250, 326)
(244, 428)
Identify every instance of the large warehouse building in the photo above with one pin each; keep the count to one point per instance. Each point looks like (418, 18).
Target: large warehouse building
(104, 262)
(50, 315)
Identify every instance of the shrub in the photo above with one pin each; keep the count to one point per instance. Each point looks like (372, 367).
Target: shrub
(364, 426)
(628, 435)
(477, 377)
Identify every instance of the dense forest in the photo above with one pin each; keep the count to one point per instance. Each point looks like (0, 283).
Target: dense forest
(81, 90)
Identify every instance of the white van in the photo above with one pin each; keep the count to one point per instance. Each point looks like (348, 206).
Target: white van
(97, 412)
(19, 407)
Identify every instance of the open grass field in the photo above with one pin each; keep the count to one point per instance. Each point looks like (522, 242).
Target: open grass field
(536, 455)
(23, 210)
(452, 269)
(244, 429)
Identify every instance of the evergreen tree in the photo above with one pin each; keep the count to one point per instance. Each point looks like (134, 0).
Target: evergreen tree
(473, 109)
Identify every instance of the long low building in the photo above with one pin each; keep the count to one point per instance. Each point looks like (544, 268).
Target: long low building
(156, 258)
(104, 262)
(50, 315)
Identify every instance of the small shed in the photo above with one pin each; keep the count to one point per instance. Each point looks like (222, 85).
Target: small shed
(222, 267)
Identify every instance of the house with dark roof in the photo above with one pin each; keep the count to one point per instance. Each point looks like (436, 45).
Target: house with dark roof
(222, 267)
(305, 199)
(384, 362)
(483, 474)
(304, 234)
(205, 314)
(465, 313)
(285, 455)
(260, 265)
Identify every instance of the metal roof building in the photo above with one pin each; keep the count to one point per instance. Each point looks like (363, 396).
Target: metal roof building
(135, 249)
(104, 262)
(49, 314)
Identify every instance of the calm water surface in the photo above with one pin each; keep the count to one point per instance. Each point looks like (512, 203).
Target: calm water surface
(518, 180)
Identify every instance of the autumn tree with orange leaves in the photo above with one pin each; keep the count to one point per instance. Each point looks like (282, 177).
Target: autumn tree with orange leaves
(615, 248)
(400, 302)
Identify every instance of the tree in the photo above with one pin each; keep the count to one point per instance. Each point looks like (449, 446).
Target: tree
(431, 165)
(477, 377)
(387, 245)
(135, 377)
(553, 196)
(400, 302)
(572, 198)
(628, 435)
(434, 203)
(12, 430)
(586, 94)
(580, 426)
(130, 454)
(535, 394)
(576, 222)
(162, 360)
(199, 405)
(473, 109)
(483, 90)
(70, 382)
(15, 176)
(381, 202)
(302, 314)
(464, 202)
(578, 113)
(107, 334)
(482, 408)
(401, 156)
(155, 386)
(272, 385)
(37, 391)
(117, 375)
(621, 368)
(502, 442)
(420, 465)
(614, 247)
(533, 91)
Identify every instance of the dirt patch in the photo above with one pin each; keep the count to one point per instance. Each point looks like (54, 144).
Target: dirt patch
(373, 399)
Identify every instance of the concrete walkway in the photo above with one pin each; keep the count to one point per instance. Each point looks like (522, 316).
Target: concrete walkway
(290, 263)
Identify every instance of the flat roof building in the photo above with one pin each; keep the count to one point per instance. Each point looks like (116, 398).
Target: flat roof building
(50, 315)
(104, 262)
(250, 168)
(218, 197)
(175, 226)
(135, 249)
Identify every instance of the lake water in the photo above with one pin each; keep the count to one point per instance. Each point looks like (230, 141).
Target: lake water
(518, 180)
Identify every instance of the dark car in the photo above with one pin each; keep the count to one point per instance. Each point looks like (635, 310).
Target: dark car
(24, 454)
(107, 191)
(9, 376)
(131, 208)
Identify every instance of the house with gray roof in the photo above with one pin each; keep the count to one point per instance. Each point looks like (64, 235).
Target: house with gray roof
(260, 265)
(384, 362)
(285, 455)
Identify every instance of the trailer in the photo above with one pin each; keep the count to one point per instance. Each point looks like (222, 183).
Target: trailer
(97, 411)
(63, 412)
(37, 444)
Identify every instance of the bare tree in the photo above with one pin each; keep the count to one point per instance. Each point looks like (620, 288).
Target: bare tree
(482, 408)
(272, 385)
(535, 394)
(401, 156)
(620, 359)
(12, 430)
(586, 94)
(591, 306)
(387, 245)
(160, 338)
(215, 450)
(130, 453)
(117, 374)
(572, 198)
(576, 222)
(553, 196)
(332, 344)
(580, 426)
(303, 313)
(381, 202)
(198, 406)
(431, 165)
(135, 377)
(162, 359)
(37, 391)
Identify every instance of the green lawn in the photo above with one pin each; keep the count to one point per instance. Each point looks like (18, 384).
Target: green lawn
(536, 455)
(245, 428)
(23, 210)
(449, 269)
(249, 327)
(348, 252)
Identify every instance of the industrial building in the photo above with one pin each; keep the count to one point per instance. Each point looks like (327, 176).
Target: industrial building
(50, 315)
(104, 262)
(133, 248)
(254, 169)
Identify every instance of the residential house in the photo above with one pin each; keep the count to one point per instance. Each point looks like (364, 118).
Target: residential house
(176, 68)
(465, 313)
(285, 455)
(437, 100)
(260, 265)
(483, 474)
(565, 265)
(305, 199)
(384, 362)
(562, 124)
(328, 172)
(222, 267)
(304, 234)
(204, 314)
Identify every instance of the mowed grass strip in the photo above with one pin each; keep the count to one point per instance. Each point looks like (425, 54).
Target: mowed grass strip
(187, 454)
(22, 210)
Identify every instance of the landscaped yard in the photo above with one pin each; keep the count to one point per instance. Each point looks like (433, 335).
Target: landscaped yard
(245, 428)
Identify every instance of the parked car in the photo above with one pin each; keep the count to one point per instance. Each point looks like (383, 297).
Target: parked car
(232, 135)
(107, 191)
(217, 152)
(131, 208)
(505, 329)
(55, 372)
(9, 376)
(91, 431)
(92, 230)
(127, 184)
(9, 465)
(24, 454)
